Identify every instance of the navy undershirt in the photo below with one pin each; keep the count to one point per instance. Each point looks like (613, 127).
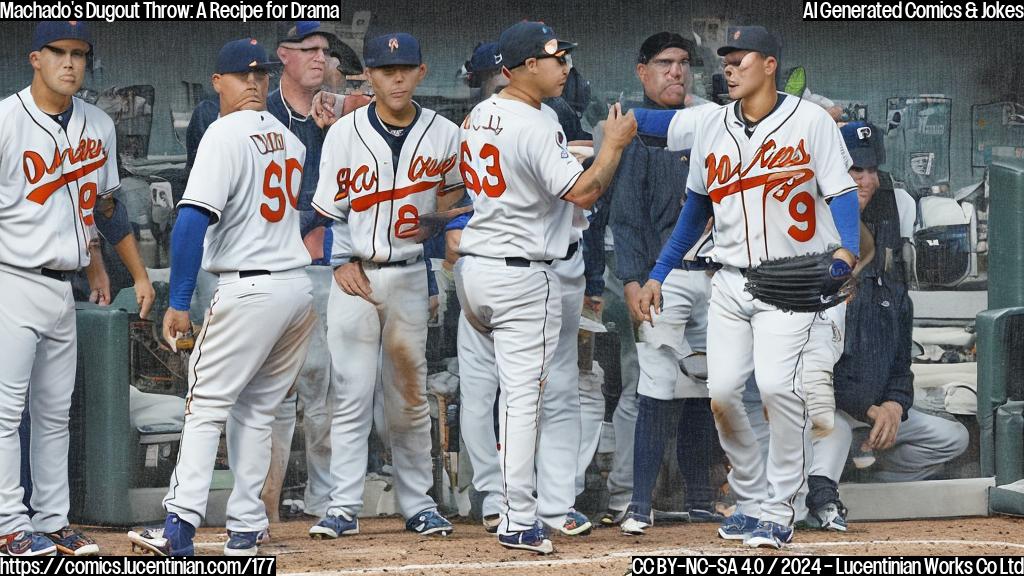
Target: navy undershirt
(393, 135)
(64, 118)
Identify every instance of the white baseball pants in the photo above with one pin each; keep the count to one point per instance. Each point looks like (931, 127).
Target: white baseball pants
(747, 336)
(38, 339)
(519, 309)
(246, 358)
(393, 335)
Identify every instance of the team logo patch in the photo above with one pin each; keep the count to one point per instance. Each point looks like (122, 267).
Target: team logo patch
(497, 59)
(393, 44)
(736, 35)
(551, 46)
(560, 141)
(253, 41)
(864, 132)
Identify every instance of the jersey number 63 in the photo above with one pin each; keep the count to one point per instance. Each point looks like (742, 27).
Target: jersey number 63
(493, 183)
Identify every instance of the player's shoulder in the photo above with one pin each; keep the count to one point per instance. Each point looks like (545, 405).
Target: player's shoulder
(809, 111)
(10, 104)
(94, 114)
(436, 121)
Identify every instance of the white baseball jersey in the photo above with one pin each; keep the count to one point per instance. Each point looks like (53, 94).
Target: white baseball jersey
(49, 182)
(379, 204)
(516, 160)
(768, 190)
(251, 186)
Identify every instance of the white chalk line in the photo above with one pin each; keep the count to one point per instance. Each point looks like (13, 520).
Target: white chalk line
(552, 562)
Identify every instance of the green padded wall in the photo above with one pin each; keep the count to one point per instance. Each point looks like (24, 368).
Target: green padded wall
(103, 440)
(994, 368)
(1006, 230)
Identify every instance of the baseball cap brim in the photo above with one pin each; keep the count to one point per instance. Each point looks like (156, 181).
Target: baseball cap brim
(864, 157)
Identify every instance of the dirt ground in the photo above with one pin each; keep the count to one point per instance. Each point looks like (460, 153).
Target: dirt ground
(384, 547)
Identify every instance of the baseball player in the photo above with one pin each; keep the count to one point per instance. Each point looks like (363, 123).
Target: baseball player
(514, 157)
(765, 165)
(560, 408)
(57, 156)
(238, 218)
(382, 167)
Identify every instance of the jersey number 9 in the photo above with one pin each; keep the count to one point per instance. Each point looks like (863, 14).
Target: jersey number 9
(493, 184)
(273, 178)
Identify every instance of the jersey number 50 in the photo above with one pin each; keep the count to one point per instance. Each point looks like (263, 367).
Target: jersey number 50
(493, 184)
(273, 178)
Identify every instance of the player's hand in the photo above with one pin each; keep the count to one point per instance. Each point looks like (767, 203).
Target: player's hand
(177, 324)
(594, 304)
(353, 281)
(325, 105)
(99, 283)
(650, 297)
(144, 295)
(846, 256)
(619, 128)
(631, 294)
(886, 419)
(435, 305)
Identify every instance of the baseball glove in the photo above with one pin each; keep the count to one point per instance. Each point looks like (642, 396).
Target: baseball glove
(809, 283)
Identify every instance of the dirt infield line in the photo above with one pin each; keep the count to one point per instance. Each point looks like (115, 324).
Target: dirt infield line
(541, 561)
(550, 563)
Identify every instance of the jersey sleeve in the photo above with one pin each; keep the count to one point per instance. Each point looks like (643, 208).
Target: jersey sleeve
(907, 208)
(695, 176)
(109, 178)
(683, 128)
(214, 171)
(831, 161)
(547, 154)
(330, 199)
(453, 177)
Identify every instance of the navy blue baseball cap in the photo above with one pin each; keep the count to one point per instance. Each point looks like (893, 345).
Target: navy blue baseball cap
(53, 30)
(398, 49)
(303, 29)
(864, 142)
(526, 40)
(242, 56)
(754, 38)
(486, 57)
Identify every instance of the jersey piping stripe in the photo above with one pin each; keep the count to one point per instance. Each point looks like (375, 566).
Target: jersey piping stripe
(79, 232)
(743, 202)
(376, 169)
(325, 211)
(192, 201)
(568, 186)
(764, 219)
(195, 378)
(803, 402)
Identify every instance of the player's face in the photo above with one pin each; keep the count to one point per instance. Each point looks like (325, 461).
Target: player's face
(664, 76)
(242, 91)
(867, 184)
(550, 73)
(394, 85)
(305, 63)
(746, 72)
(61, 65)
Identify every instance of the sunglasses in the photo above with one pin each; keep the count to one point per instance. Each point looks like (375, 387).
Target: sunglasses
(562, 57)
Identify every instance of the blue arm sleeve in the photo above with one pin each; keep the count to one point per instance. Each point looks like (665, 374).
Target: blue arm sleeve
(688, 230)
(653, 122)
(431, 280)
(187, 254)
(846, 214)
